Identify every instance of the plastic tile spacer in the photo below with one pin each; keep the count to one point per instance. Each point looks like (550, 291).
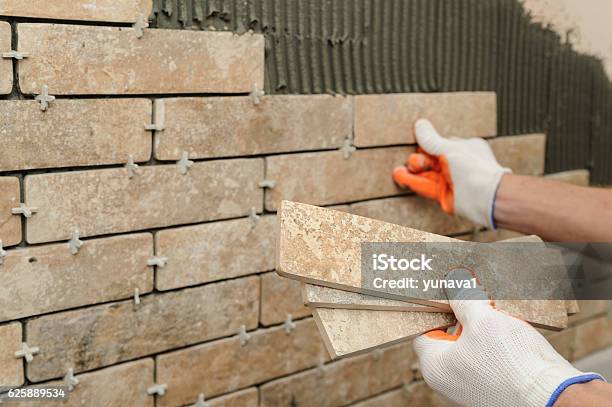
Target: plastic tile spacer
(377, 354)
(201, 401)
(70, 380)
(321, 368)
(347, 148)
(13, 54)
(136, 298)
(140, 25)
(289, 325)
(24, 210)
(256, 94)
(243, 335)
(75, 243)
(44, 98)
(159, 116)
(131, 166)
(184, 163)
(27, 352)
(267, 183)
(159, 389)
(2, 253)
(254, 217)
(159, 261)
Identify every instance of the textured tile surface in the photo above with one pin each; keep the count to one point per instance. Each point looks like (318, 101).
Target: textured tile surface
(10, 197)
(224, 366)
(124, 11)
(347, 332)
(77, 59)
(524, 154)
(214, 251)
(102, 335)
(11, 368)
(342, 382)
(122, 385)
(322, 247)
(243, 398)
(49, 278)
(108, 201)
(592, 336)
(389, 119)
(73, 132)
(413, 394)
(322, 178)
(278, 124)
(414, 212)
(6, 65)
(279, 297)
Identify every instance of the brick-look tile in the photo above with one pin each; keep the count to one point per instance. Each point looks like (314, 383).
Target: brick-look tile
(125, 11)
(575, 177)
(342, 382)
(589, 309)
(49, 278)
(488, 236)
(389, 119)
(121, 385)
(524, 154)
(108, 201)
(280, 296)
(214, 251)
(73, 132)
(562, 341)
(277, 124)
(102, 335)
(6, 65)
(11, 368)
(592, 336)
(243, 398)
(327, 178)
(224, 366)
(10, 224)
(414, 212)
(413, 394)
(77, 59)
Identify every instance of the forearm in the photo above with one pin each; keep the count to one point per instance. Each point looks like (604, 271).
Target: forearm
(594, 393)
(552, 210)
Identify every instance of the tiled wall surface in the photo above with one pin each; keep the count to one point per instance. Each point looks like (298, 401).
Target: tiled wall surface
(137, 213)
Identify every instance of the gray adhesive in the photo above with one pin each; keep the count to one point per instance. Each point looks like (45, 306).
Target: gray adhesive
(387, 46)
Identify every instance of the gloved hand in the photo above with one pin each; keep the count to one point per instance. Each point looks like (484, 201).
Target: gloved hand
(461, 174)
(495, 360)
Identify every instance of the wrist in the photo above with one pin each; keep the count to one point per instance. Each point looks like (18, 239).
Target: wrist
(577, 394)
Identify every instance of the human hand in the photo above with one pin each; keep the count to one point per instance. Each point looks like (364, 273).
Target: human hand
(461, 174)
(495, 359)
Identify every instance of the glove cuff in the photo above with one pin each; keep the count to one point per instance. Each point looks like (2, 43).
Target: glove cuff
(548, 385)
(584, 378)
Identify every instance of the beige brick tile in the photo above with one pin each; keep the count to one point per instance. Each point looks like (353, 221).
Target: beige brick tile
(125, 11)
(243, 398)
(389, 119)
(488, 236)
(10, 224)
(342, 382)
(214, 251)
(576, 177)
(280, 296)
(49, 278)
(414, 394)
(77, 59)
(278, 124)
(108, 201)
(6, 65)
(73, 132)
(592, 336)
(224, 366)
(102, 335)
(11, 368)
(589, 309)
(121, 385)
(327, 178)
(414, 212)
(524, 154)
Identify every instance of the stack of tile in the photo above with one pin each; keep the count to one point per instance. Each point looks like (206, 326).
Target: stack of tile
(322, 248)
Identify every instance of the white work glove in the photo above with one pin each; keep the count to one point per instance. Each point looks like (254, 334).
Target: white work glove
(496, 360)
(461, 174)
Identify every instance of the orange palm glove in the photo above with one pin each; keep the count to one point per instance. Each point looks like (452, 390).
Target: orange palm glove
(461, 174)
